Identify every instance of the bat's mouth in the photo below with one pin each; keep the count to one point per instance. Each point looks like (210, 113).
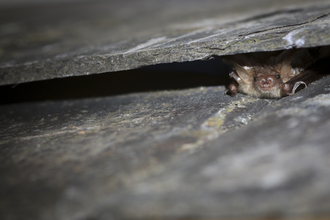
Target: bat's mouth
(268, 89)
(270, 92)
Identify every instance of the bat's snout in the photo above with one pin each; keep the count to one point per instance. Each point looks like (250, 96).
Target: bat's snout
(266, 82)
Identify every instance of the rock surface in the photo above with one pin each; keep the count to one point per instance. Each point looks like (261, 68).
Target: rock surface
(174, 154)
(105, 36)
(189, 153)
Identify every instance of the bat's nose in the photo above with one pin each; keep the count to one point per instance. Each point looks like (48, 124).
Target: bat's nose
(267, 81)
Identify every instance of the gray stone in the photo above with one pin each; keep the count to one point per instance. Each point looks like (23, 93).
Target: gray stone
(276, 166)
(49, 149)
(188, 153)
(69, 39)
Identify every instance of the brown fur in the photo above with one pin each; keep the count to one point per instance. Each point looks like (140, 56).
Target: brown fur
(265, 74)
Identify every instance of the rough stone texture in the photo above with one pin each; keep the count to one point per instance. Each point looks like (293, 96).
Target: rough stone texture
(70, 39)
(276, 166)
(186, 154)
(49, 149)
(192, 153)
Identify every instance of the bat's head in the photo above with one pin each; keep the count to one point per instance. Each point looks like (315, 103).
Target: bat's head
(260, 81)
(267, 81)
(269, 75)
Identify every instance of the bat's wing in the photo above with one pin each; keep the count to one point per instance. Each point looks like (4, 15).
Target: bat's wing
(291, 62)
(244, 73)
(242, 66)
(302, 59)
(323, 52)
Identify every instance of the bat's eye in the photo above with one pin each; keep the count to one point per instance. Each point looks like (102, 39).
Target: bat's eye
(255, 79)
(278, 76)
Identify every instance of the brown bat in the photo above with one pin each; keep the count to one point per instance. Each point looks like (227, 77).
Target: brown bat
(276, 74)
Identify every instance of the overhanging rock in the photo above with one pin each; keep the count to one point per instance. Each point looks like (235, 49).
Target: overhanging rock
(52, 41)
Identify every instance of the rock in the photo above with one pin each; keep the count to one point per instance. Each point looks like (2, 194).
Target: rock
(189, 153)
(100, 37)
(169, 154)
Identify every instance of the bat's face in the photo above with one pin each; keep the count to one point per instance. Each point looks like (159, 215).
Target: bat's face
(267, 82)
(259, 81)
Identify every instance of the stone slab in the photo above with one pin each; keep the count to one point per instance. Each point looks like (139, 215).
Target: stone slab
(172, 154)
(108, 36)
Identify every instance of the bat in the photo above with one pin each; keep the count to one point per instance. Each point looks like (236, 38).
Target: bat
(277, 74)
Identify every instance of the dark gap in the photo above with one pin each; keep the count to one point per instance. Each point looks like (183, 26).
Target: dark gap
(173, 76)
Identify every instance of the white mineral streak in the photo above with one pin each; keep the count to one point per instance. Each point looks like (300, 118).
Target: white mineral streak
(204, 38)
(291, 39)
(146, 44)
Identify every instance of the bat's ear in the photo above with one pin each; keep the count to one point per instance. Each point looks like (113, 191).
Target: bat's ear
(286, 70)
(244, 74)
(300, 59)
(284, 55)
